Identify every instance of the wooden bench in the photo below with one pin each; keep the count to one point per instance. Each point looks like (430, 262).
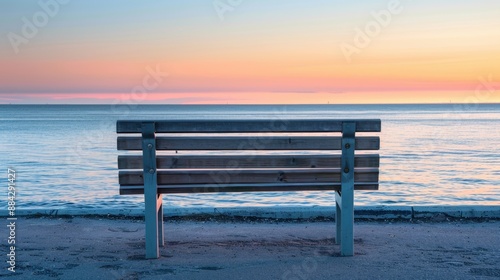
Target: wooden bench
(314, 155)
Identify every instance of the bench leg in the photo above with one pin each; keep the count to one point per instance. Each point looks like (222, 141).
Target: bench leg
(152, 226)
(161, 239)
(347, 224)
(151, 197)
(338, 218)
(346, 217)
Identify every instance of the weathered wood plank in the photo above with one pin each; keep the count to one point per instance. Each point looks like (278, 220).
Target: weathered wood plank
(248, 161)
(269, 187)
(273, 125)
(179, 143)
(226, 176)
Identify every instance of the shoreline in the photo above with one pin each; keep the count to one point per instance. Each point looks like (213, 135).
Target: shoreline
(100, 248)
(292, 213)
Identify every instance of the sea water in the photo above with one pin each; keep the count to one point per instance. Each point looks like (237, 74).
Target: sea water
(65, 156)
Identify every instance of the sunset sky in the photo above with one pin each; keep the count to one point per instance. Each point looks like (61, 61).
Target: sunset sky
(250, 51)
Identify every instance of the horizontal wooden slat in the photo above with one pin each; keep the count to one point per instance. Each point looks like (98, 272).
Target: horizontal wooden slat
(270, 187)
(233, 176)
(247, 161)
(178, 143)
(273, 125)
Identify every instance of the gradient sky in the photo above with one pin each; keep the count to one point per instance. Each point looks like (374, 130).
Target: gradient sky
(258, 51)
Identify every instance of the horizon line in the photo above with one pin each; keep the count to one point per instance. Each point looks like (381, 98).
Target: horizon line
(242, 104)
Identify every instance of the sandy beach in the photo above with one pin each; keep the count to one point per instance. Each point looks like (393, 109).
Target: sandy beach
(113, 248)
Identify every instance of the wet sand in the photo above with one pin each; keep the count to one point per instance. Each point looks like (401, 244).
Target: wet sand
(112, 248)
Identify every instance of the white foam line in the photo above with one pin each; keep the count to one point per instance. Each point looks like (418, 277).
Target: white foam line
(368, 212)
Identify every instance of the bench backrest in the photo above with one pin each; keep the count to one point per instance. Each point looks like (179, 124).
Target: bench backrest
(185, 156)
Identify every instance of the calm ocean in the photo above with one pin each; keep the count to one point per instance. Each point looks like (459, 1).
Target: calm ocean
(65, 155)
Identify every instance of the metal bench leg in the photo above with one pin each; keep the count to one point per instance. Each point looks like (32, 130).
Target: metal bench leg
(347, 224)
(161, 239)
(347, 190)
(150, 190)
(151, 218)
(338, 217)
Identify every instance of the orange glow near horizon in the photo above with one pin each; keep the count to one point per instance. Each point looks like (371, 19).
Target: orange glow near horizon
(482, 95)
(262, 54)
